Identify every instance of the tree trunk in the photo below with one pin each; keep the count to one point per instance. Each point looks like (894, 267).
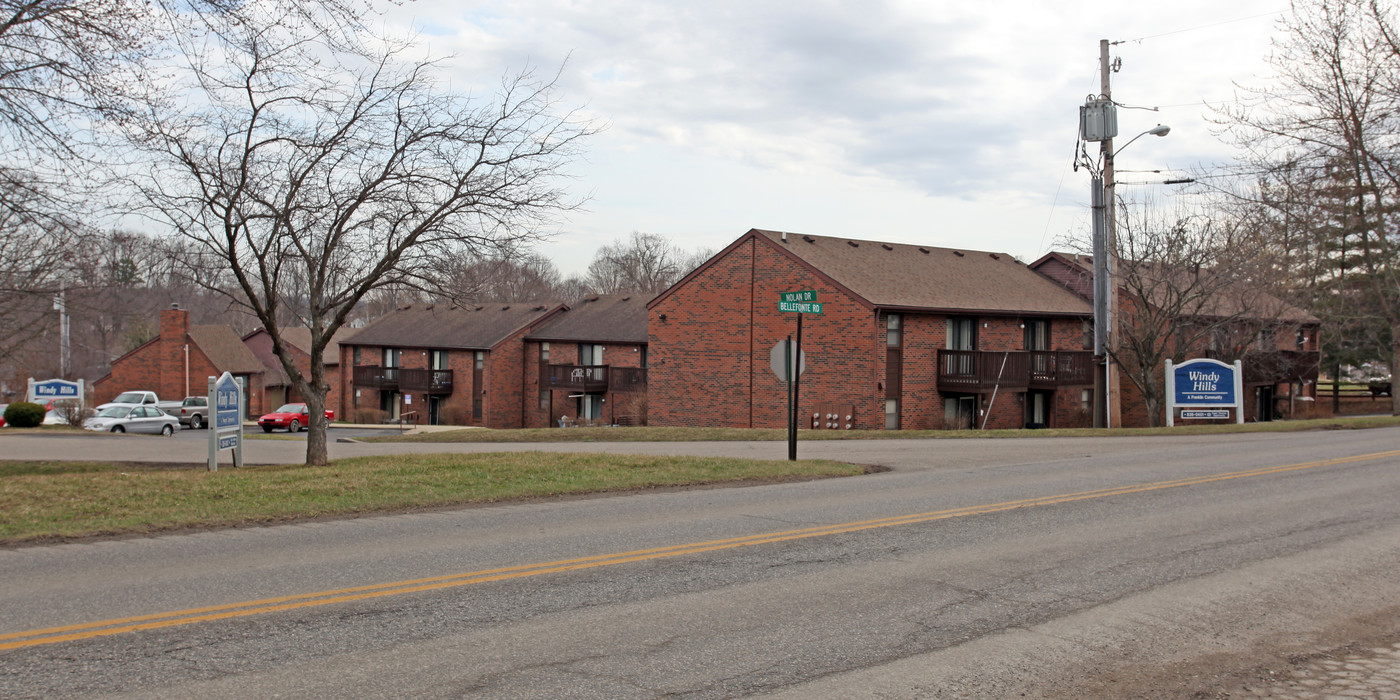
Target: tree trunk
(1152, 398)
(1394, 364)
(314, 391)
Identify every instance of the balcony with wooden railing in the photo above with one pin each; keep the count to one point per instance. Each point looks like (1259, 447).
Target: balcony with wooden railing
(975, 371)
(378, 378)
(627, 379)
(595, 379)
(425, 381)
(1280, 366)
(1056, 368)
(421, 381)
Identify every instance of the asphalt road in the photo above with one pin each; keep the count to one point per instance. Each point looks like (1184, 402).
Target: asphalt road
(1050, 567)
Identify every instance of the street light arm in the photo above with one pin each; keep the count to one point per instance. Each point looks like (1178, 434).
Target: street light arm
(1159, 130)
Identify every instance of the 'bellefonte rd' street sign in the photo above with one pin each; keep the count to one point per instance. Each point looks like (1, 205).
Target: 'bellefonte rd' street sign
(799, 307)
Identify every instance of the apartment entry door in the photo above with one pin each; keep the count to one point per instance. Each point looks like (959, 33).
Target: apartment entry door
(959, 412)
(1037, 409)
(1264, 403)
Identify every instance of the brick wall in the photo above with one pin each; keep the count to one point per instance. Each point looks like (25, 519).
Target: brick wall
(159, 365)
(260, 344)
(503, 376)
(701, 345)
(920, 406)
(559, 403)
(508, 391)
(710, 354)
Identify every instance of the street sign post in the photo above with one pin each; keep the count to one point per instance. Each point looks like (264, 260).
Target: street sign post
(788, 361)
(800, 302)
(226, 430)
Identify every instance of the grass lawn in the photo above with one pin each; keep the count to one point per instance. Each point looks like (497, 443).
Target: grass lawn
(658, 434)
(56, 500)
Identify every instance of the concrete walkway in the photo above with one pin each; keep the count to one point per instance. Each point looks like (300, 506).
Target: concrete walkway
(1372, 673)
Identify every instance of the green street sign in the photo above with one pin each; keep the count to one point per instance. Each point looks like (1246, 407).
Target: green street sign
(797, 296)
(799, 307)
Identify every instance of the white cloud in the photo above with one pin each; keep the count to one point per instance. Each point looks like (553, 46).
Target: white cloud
(937, 122)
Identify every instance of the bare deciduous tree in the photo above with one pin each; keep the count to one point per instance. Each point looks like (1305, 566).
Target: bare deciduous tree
(317, 175)
(645, 263)
(69, 71)
(500, 276)
(34, 244)
(1173, 280)
(1189, 281)
(1327, 132)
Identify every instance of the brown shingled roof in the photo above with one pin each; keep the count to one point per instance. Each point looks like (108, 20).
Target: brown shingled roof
(1238, 300)
(927, 277)
(300, 338)
(478, 327)
(615, 318)
(226, 350)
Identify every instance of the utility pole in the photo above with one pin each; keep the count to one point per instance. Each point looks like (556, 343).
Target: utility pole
(60, 304)
(1098, 122)
(1111, 404)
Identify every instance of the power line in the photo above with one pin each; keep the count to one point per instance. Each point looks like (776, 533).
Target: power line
(1196, 28)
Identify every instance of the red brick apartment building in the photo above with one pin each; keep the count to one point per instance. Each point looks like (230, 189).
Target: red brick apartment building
(910, 337)
(1276, 343)
(501, 365)
(178, 363)
(589, 364)
(277, 386)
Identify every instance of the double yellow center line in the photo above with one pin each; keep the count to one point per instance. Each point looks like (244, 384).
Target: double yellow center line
(67, 633)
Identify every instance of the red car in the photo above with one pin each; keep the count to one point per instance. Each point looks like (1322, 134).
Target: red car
(292, 416)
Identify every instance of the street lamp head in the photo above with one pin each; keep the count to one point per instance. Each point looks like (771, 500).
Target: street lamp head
(1160, 130)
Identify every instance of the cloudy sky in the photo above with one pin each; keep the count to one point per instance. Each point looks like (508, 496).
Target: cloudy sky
(932, 122)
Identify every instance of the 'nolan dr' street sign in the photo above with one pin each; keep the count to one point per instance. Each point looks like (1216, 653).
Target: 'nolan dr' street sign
(803, 302)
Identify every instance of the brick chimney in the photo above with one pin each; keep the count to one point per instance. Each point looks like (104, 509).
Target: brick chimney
(174, 329)
(174, 324)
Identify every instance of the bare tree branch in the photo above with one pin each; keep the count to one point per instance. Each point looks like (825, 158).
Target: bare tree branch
(315, 188)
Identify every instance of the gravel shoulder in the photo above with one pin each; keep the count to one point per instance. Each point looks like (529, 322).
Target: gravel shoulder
(1260, 631)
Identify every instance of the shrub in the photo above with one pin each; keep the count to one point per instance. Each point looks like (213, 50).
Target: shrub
(23, 414)
(632, 409)
(364, 416)
(453, 415)
(73, 412)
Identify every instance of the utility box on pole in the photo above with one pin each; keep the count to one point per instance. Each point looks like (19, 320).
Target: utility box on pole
(1098, 120)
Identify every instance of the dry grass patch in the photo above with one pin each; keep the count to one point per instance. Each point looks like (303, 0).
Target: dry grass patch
(45, 500)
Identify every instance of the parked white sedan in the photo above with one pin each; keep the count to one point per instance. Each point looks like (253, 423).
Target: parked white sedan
(133, 419)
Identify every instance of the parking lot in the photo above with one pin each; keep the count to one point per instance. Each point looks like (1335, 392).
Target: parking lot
(251, 430)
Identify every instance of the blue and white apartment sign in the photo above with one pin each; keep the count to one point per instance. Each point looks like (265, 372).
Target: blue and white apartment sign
(48, 390)
(226, 402)
(226, 396)
(1204, 383)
